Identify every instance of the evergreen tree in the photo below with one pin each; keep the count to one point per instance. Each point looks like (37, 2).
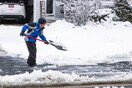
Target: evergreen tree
(123, 10)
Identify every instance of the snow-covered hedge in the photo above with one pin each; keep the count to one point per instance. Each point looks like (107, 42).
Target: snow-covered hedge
(78, 11)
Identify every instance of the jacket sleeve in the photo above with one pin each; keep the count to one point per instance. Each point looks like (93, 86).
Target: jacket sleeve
(25, 27)
(42, 36)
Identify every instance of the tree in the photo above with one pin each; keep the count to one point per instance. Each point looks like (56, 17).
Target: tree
(123, 10)
(78, 11)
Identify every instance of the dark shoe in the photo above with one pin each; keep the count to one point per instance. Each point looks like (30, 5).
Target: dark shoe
(32, 65)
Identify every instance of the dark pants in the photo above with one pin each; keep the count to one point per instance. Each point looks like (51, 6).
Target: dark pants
(32, 53)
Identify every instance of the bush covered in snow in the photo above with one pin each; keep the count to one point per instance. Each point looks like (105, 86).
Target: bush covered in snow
(78, 11)
(101, 15)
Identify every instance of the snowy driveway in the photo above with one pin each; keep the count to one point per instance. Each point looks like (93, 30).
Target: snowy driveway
(13, 65)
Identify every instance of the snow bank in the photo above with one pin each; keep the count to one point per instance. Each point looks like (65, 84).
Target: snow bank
(90, 44)
(51, 78)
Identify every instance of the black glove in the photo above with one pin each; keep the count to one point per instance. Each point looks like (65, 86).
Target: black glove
(46, 42)
(22, 33)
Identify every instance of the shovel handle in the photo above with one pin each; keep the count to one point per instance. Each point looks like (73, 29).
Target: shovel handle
(35, 38)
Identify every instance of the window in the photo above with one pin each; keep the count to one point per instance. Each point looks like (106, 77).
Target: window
(49, 6)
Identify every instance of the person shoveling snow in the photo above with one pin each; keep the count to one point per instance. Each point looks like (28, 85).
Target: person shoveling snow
(33, 31)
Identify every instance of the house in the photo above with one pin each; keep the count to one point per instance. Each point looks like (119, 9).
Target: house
(51, 9)
(47, 9)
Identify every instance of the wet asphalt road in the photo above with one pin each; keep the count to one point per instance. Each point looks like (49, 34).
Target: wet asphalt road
(15, 65)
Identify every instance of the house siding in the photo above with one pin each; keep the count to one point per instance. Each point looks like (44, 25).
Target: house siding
(37, 9)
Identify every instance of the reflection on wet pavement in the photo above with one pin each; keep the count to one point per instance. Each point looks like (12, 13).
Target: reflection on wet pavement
(12, 65)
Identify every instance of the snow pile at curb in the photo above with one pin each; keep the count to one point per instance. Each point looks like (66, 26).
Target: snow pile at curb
(51, 78)
(2, 52)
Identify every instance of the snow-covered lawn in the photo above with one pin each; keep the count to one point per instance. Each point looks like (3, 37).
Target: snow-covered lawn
(90, 44)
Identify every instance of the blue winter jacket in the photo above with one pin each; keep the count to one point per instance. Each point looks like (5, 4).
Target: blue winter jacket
(34, 30)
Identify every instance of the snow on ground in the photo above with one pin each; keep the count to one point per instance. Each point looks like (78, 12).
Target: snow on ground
(50, 78)
(90, 44)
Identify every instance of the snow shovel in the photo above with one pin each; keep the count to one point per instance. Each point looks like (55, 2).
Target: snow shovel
(58, 46)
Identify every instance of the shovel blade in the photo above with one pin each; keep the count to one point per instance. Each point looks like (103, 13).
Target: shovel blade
(58, 46)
